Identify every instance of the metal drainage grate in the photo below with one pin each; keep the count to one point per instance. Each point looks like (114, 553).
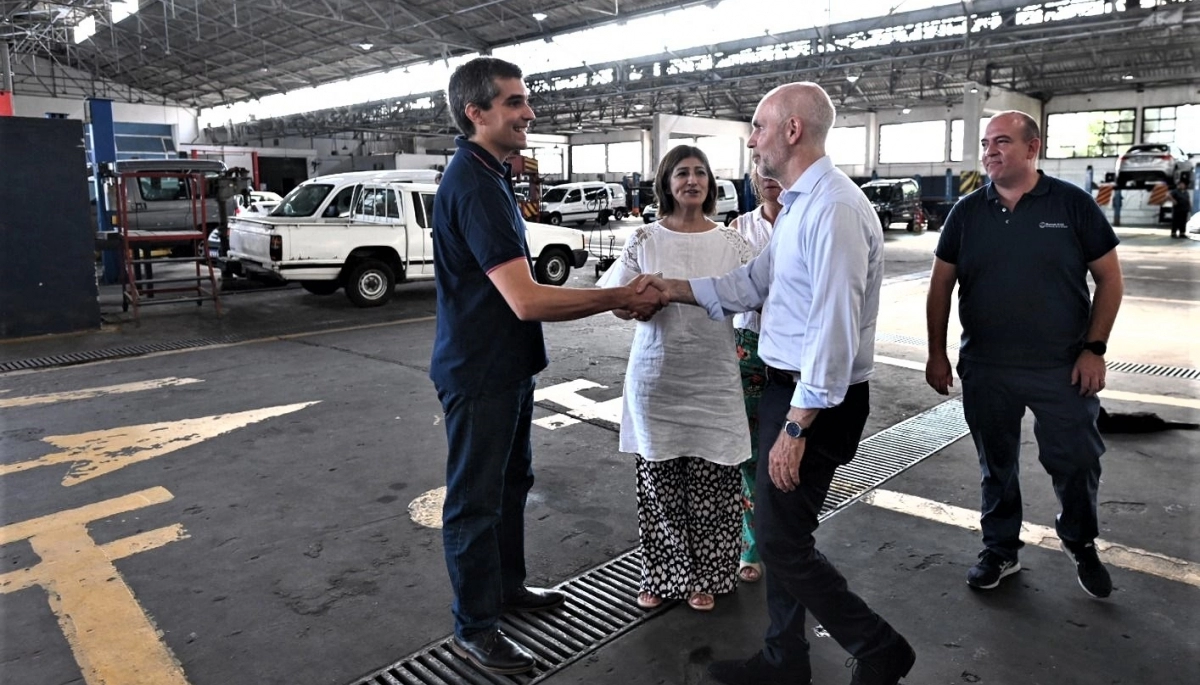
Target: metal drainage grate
(907, 340)
(1122, 367)
(1154, 370)
(114, 353)
(602, 603)
(893, 450)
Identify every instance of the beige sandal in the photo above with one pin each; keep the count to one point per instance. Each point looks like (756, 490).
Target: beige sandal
(647, 600)
(702, 601)
(750, 571)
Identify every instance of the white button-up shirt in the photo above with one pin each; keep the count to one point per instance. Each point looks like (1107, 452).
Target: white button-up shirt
(817, 284)
(757, 231)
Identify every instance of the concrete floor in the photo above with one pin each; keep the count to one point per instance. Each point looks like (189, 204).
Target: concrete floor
(297, 560)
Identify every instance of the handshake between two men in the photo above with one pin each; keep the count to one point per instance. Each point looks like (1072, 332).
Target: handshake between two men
(652, 292)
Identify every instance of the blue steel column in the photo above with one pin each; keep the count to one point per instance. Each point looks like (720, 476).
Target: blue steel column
(949, 185)
(104, 150)
(1088, 180)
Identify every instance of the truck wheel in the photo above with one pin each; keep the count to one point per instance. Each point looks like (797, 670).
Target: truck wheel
(555, 219)
(370, 283)
(619, 213)
(915, 226)
(552, 267)
(320, 287)
(885, 220)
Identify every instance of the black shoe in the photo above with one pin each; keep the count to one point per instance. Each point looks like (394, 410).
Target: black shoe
(990, 570)
(886, 667)
(534, 599)
(493, 651)
(755, 671)
(1093, 577)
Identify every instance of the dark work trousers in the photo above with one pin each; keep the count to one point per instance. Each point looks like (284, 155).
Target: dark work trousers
(489, 472)
(799, 578)
(1069, 447)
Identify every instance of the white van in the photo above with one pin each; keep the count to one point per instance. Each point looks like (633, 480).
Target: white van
(583, 201)
(727, 202)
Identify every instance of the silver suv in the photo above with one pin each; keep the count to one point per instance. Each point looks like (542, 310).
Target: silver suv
(1153, 162)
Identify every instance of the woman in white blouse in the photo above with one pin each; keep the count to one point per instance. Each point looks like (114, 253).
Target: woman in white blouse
(756, 227)
(683, 414)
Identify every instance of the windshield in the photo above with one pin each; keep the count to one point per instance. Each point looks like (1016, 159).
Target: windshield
(878, 193)
(303, 200)
(555, 194)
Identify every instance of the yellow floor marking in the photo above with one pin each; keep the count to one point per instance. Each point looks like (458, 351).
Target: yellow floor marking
(1131, 558)
(426, 510)
(89, 393)
(104, 451)
(1104, 394)
(112, 638)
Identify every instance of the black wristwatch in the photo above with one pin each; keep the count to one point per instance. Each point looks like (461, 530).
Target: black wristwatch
(794, 430)
(1096, 347)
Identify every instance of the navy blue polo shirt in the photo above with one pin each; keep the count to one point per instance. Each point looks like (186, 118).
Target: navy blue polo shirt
(477, 227)
(1023, 296)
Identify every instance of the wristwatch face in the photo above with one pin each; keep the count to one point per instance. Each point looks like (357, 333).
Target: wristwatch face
(1097, 347)
(793, 429)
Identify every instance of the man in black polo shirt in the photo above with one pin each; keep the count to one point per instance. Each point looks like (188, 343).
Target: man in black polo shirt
(1020, 249)
(487, 349)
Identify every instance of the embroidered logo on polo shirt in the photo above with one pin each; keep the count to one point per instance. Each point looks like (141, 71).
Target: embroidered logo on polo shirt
(1051, 224)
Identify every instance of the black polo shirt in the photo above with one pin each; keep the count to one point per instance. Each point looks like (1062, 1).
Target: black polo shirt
(1023, 296)
(477, 227)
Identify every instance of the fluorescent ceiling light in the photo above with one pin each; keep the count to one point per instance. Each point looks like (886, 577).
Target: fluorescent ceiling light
(365, 46)
(539, 16)
(852, 78)
(1126, 77)
(906, 110)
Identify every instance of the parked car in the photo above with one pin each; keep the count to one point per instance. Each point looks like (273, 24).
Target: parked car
(897, 200)
(257, 202)
(161, 201)
(1153, 163)
(386, 238)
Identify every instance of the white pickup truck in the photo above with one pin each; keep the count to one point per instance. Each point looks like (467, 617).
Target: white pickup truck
(385, 238)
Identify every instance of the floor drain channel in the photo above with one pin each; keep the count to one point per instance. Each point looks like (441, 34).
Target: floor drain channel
(601, 603)
(895, 449)
(601, 606)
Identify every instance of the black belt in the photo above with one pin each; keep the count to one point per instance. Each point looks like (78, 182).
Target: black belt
(781, 377)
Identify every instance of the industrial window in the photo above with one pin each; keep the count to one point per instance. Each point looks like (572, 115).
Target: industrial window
(550, 162)
(847, 145)
(1103, 133)
(956, 137)
(624, 158)
(1176, 124)
(588, 159)
(918, 141)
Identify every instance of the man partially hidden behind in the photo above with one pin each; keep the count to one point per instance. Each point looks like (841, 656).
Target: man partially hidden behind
(1020, 249)
(487, 349)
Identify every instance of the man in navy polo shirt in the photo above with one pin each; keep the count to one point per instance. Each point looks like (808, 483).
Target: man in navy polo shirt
(1020, 249)
(488, 348)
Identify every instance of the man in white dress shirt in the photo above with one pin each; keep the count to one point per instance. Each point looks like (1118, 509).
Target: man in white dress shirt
(818, 286)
